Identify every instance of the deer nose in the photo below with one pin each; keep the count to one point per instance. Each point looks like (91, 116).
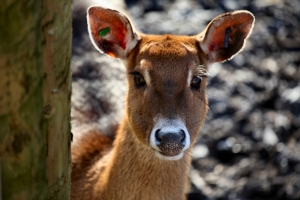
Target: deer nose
(170, 143)
(169, 138)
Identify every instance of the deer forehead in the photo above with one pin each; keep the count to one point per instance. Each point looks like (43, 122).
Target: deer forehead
(168, 45)
(167, 59)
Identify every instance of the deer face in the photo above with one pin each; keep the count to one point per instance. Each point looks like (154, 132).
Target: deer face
(167, 75)
(166, 98)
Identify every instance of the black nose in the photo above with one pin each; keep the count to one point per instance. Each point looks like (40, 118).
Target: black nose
(170, 143)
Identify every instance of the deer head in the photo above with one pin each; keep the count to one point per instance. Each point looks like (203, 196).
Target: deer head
(167, 75)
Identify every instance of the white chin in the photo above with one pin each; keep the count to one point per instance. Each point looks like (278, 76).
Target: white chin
(177, 157)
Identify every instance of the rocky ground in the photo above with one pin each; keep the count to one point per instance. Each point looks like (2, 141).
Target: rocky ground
(249, 147)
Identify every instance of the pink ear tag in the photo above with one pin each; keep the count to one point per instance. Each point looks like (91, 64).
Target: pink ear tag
(104, 32)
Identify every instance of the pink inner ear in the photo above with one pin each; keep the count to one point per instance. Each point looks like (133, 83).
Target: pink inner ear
(219, 35)
(114, 41)
(118, 34)
(224, 30)
(225, 35)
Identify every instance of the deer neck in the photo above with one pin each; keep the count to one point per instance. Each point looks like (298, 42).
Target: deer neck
(135, 172)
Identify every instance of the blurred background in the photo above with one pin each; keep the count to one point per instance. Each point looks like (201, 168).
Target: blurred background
(249, 146)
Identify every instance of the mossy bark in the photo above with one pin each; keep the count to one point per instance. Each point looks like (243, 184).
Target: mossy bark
(35, 89)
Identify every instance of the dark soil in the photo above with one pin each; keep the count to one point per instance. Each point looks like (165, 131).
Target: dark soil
(249, 147)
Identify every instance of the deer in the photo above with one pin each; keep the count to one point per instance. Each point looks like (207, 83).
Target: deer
(165, 107)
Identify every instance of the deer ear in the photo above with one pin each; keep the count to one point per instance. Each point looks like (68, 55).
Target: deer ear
(110, 32)
(225, 35)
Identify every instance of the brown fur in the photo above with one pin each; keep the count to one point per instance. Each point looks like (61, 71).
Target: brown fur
(131, 170)
(88, 159)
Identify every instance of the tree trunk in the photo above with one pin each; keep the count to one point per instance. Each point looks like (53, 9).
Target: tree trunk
(35, 90)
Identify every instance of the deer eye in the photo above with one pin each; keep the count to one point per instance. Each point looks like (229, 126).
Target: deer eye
(139, 80)
(196, 82)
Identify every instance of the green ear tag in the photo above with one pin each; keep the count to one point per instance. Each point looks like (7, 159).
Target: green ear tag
(104, 32)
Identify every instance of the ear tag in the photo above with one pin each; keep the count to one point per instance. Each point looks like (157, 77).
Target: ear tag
(226, 38)
(104, 32)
